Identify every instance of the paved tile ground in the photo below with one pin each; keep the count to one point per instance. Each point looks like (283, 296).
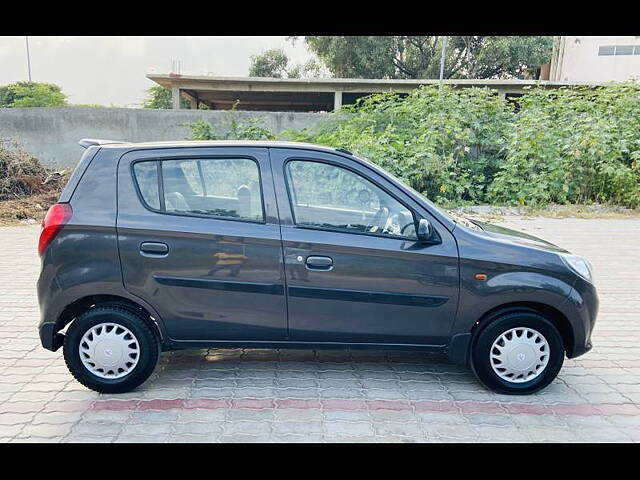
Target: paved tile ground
(324, 396)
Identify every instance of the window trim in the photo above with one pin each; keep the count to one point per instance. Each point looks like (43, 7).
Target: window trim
(201, 175)
(158, 161)
(139, 190)
(414, 214)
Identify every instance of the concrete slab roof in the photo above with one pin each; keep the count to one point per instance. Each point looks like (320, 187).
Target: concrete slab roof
(208, 82)
(312, 94)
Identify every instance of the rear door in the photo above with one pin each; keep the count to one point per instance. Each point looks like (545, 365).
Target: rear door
(199, 240)
(355, 271)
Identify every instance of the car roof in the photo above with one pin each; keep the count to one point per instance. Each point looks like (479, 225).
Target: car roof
(116, 144)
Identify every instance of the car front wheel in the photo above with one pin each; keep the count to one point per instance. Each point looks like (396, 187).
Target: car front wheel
(110, 349)
(517, 353)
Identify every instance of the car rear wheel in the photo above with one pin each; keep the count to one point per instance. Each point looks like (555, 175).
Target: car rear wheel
(517, 353)
(110, 350)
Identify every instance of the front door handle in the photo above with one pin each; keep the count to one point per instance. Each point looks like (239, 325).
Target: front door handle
(319, 263)
(154, 249)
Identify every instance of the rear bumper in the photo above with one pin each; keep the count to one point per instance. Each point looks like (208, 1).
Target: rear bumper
(48, 290)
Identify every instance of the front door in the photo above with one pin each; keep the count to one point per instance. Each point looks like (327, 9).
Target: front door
(199, 240)
(355, 270)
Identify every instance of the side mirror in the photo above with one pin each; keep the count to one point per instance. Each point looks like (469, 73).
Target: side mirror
(426, 233)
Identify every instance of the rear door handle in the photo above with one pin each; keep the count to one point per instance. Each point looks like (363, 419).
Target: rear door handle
(319, 263)
(154, 249)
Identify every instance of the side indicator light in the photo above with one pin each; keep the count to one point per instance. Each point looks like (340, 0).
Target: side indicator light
(480, 276)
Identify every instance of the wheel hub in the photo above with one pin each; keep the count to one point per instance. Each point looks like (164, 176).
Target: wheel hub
(519, 355)
(109, 350)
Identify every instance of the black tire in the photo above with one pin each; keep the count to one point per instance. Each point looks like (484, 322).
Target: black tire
(483, 341)
(147, 341)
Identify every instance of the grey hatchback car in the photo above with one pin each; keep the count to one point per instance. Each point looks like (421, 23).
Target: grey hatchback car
(161, 246)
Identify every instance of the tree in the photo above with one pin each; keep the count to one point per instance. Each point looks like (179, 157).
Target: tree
(276, 64)
(270, 63)
(311, 69)
(160, 97)
(419, 56)
(31, 94)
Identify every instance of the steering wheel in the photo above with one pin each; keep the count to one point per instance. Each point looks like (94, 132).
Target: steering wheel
(408, 225)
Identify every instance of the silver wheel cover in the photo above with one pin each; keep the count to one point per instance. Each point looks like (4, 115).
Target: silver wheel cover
(109, 350)
(519, 355)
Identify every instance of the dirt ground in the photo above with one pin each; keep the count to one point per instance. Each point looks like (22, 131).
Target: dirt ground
(30, 209)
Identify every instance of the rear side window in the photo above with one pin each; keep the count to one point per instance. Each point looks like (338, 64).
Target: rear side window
(147, 177)
(216, 187)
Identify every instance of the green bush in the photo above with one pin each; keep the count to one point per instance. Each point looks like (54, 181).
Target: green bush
(462, 146)
(577, 145)
(236, 127)
(31, 94)
(445, 143)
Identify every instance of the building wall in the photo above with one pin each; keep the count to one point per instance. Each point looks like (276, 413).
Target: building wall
(578, 60)
(52, 134)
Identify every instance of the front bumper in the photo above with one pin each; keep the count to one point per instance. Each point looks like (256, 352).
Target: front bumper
(582, 310)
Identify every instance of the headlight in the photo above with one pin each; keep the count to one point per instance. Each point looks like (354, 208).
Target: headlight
(579, 265)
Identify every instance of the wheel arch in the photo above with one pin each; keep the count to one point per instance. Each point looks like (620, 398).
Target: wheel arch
(555, 316)
(81, 305)
(460, 345)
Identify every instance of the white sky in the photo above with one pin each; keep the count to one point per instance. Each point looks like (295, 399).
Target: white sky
(111, 70)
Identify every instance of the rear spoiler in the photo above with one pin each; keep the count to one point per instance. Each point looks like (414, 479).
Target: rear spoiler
(90, 142)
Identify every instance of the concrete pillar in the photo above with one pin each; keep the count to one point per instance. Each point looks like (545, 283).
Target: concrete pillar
(337, 101)
(175, 97)
(193, 103)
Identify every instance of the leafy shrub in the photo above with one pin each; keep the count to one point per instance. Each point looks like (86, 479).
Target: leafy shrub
(160, 97)
(237, 127)
(462, 146)
(31, 94)
(578, 145)
(444, 142)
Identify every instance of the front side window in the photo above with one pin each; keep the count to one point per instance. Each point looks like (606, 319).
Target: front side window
(216, 187)
(331, 197)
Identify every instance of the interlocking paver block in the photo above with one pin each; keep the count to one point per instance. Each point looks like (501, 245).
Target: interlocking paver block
(262, 395)
(247, 428)
(339, 427)
(404, 429)
(97, 428)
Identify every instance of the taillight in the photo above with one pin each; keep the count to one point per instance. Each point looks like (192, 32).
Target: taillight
(57, 216)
